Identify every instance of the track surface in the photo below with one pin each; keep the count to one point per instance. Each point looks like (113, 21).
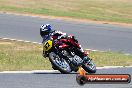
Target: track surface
(57, 80)
(93, 36)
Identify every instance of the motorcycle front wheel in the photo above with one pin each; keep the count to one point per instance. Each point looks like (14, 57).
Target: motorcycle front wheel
(59, 63)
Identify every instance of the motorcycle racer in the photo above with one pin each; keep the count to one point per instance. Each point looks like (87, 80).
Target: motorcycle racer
(46, 31)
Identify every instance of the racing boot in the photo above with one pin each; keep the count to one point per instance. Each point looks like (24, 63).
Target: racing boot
(85, 57)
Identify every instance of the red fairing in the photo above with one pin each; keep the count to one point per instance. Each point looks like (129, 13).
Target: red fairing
(73, 42)
(62, 42)
(54, 37)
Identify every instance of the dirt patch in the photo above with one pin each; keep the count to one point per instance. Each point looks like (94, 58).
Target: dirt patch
(5, 43)
(66, 18)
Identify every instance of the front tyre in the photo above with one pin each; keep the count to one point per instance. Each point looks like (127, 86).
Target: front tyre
(90, 67)
(59, 63)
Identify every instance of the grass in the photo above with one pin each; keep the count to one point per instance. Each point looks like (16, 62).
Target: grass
(27, 56)
(111, 59)
(21, 56)
(98, 10)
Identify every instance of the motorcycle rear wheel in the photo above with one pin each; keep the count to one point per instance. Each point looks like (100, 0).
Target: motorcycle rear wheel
(59, 63)
(90, 67)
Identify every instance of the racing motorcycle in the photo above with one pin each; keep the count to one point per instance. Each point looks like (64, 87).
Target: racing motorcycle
(65, 56)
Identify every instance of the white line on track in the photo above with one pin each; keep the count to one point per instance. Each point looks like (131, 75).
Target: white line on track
(56, 71)
(30, 72)
(20, 40)
(41, 43)
(38, 43)
(109, 67)
(51, 71)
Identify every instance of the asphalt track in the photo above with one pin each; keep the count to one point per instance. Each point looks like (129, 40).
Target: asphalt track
(93, 36)
(57, 80)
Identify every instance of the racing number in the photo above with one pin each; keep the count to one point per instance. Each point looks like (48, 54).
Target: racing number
(46, 46)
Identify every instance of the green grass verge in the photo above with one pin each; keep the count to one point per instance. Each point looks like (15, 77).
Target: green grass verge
(21, 56)
(111, 59)
(99, 10)
(27, 56)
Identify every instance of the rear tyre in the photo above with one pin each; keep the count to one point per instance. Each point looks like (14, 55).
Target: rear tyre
(90, 67)
(59, 63)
